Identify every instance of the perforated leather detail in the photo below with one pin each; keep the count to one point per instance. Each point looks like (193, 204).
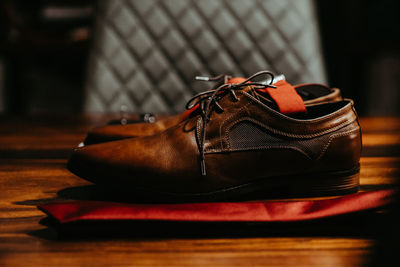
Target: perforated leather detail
(248, 136)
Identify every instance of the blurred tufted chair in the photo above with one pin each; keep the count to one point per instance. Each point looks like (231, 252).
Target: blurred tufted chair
(146, 53)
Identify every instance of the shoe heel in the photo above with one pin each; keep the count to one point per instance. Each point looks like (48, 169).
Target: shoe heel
(329, 184)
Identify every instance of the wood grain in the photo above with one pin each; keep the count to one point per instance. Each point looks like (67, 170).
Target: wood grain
(27, 179)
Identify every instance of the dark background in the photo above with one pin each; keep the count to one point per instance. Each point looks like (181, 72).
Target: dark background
(43, 62)
(361, 41)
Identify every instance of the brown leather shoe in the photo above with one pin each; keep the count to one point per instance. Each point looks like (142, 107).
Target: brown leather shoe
(238, 144)
(311, 94)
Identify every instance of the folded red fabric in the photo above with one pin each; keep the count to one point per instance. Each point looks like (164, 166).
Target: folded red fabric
(275, 211)
(286, 97)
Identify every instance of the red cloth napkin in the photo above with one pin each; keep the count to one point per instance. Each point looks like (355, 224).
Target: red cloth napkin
(260, 211)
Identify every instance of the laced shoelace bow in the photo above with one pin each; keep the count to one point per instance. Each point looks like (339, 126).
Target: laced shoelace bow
(207, 99)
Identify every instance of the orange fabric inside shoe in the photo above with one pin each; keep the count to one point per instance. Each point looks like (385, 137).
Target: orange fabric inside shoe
(286, 97)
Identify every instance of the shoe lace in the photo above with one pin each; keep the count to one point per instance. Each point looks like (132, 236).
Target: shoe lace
(208, 99)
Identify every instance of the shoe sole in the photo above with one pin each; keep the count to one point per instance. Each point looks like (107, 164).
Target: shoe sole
(318, 184)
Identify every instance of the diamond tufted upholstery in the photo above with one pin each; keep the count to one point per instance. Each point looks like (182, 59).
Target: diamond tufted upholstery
(146, 52)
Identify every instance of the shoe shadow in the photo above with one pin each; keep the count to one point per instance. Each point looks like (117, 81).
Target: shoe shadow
(100, 193)
(138, 196)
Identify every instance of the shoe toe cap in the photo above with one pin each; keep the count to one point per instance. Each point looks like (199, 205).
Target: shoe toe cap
(86, 162)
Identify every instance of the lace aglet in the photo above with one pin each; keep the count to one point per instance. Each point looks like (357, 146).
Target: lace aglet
(203, 167)
(202, 78)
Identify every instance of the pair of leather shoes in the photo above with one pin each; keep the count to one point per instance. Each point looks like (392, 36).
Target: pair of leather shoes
(242, 138)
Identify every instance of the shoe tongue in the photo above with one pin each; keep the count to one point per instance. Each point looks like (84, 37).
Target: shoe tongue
(285, 97)
(235, 80)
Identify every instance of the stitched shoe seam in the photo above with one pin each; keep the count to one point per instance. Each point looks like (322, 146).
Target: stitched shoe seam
(332, 137)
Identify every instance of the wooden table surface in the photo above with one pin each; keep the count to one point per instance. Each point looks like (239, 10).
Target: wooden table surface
(33, 154)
